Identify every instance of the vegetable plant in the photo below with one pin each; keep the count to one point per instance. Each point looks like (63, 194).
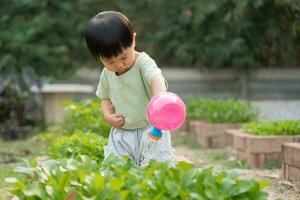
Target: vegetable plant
(284, 127)
(118, 178)
(221, 111)
(72, 146)
(85, 116)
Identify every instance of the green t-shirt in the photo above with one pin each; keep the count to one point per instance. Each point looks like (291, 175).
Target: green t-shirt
(130, 92)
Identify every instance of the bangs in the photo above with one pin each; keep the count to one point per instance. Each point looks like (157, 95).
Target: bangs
(108, 34)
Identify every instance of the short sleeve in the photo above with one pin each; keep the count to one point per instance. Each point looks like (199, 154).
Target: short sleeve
(150, 69)
(102, 89)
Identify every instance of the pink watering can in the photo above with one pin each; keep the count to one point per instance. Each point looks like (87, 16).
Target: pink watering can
(166, 111)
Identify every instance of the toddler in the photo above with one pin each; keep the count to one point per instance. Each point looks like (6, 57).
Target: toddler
(127, 82)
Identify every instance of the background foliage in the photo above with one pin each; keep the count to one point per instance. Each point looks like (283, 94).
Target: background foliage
(221, 111)
(48, 35)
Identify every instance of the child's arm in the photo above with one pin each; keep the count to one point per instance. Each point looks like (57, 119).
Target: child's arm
(158, 84)
(115, 120)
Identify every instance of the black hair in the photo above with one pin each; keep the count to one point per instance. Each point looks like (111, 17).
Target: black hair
(108, 34)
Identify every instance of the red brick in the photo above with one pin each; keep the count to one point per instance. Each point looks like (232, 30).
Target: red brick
(195, 127)
(203, 141)
(217, 142)
(256, 160)
(210, 135)
(260, 149)
(184, 127)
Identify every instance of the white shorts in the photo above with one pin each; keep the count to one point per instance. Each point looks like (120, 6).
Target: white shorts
(139, 147)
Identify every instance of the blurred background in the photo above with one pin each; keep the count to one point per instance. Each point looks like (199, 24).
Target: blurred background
(219, 49)
(233, 62)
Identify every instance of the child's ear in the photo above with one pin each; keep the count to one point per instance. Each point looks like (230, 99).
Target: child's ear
(133, 41)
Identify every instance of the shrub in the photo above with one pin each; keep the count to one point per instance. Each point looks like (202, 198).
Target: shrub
(221, 111)
(46, 42)
(216, 34)
(85, 116)
(78, 144)
(288, 127)
(20, 107)
(120, 179)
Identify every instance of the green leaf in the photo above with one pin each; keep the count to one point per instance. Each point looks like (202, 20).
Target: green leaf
(188, 177)
(11, 180)
(50, 167)
(72, 164)
(263, 184)
(64, 181)
(34, 189)
(116, 184)
(172, 189)
(24, 170)
(125, 193)
(243, 187)
(184, 166)
(99, 181)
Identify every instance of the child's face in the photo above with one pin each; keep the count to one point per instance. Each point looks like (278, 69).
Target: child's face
(121, 63)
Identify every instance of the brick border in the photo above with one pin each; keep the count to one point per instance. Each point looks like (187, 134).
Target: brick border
(291, 161)
(257, 150)
(185, 127)
(210, 135)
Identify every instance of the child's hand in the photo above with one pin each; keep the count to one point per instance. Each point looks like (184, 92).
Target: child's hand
(115, 120)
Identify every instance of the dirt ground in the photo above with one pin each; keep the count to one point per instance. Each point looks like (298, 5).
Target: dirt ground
(188, 150)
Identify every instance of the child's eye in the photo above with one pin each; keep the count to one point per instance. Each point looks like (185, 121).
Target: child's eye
(124, 58)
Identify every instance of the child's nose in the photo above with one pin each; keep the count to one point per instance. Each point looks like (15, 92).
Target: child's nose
(119, 65)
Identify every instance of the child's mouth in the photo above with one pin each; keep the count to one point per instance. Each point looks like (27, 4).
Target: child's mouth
(121, 70)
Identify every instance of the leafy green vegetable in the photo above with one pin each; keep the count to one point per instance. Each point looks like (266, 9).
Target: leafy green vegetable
(85, 116)
(78, 144)
(119, 179)
(221, 111)
(287, 127)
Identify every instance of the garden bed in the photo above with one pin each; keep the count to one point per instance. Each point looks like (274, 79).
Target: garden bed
(291, 162)
(210, 135)
(256, 149)
(184, 129)
(209, 119)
